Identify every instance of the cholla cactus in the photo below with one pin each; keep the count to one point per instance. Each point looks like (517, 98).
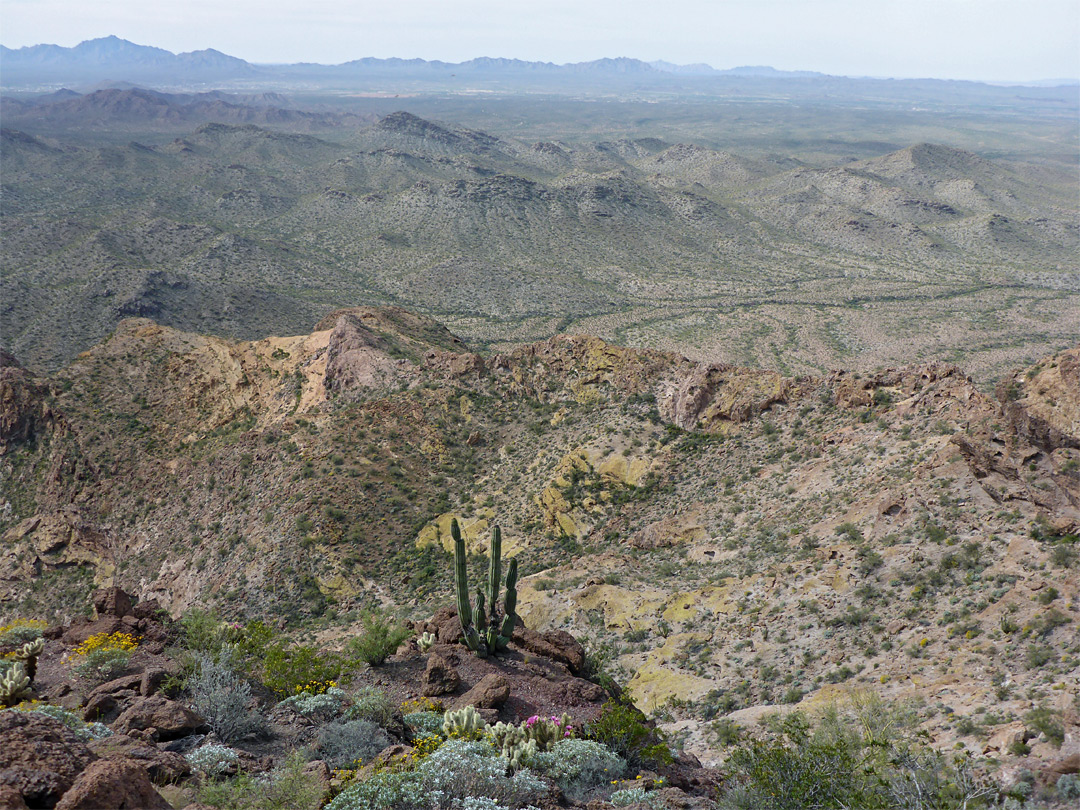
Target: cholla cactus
(14, 685)
(28, 655)
(426, 641)
(546, 731)
(464, 723)
(519, 754)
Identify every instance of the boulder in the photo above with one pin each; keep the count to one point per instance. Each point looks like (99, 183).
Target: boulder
(11, 799)
(490, 693)
(557, 645)
(121, 784)
(445, 625)
(151, 680)
(439, 678)
(163, 767)
(78, 633)
(168, 718)
(146, 610)
(40, 757)
(112, 602)
(99, 707)
(116, 685)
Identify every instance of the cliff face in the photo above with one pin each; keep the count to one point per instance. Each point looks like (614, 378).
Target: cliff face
(724, 531)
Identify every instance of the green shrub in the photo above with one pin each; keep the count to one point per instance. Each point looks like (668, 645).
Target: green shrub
(286, 788)
(380, 638)
(372, 703)
(20, 631)
(621, 728)
(290, 670)
(1046, 721)
(321, 707)
(103, 664)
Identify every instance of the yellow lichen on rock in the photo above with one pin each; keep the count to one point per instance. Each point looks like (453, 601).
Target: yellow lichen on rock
(473, 530)
(684, 606)
(336, 586)
(658, 680)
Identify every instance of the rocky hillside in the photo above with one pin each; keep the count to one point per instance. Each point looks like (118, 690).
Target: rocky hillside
(781, 261)
(724, 539)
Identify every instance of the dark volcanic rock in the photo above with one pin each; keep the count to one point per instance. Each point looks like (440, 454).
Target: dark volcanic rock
(490, 693)
(555, 644)
(168, 718)
(439, 678)
(163, 767)
(121, 784)
(112, 602)
(39, 757)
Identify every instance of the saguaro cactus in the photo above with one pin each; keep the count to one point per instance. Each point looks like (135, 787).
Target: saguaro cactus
(488, 634)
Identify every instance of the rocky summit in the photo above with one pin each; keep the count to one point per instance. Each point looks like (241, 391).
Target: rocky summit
(238, 562)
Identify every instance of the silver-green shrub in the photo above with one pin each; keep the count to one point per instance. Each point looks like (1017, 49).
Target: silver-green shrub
(223, 698)
(343, 743)
(212, 760)
(578, 766)
(323, 707)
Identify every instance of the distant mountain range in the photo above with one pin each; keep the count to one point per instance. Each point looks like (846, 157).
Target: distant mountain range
(114, 59)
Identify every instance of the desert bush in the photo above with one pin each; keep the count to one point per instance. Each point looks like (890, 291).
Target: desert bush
(223, 697)
(621, 728)
(290, 670)
(341, 743)
(20, 631)
(424, 722)
(323, 707)
(285, 788)
(1068, 786)
(460, 774)
(104, 656)
(372, 703)
(212, 760)
(638, 796)
(381, 636)
(578, 766)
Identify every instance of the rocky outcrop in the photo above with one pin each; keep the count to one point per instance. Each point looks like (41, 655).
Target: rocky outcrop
(163, 767)
(712, 395)
(24, 410)
(40, 757)
(558, 645)
(165, 719)
(490, 693)
(120, 784)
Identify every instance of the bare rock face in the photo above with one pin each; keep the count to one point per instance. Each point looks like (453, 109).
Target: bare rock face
(439, 678)
(711, 395)
(23, 407)
(40, 757)
(11, 799)
(168, 718)
(121, 784)
(112, 602)
(490, 693)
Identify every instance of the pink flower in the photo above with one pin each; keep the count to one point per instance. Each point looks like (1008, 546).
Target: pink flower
(532, 721)
(555, 720)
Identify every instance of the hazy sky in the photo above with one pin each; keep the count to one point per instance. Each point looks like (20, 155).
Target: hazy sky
(968, 39)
